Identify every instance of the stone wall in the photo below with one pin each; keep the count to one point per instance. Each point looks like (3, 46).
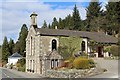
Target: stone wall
(69, 73)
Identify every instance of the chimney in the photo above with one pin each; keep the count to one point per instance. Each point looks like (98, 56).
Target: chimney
(33, 19)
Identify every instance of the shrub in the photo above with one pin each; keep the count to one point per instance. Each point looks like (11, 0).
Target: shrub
(21, 69)
(114, 50)
(18, 64)
(11, 66)
(91, 63)
(21, 61)
(81, 63)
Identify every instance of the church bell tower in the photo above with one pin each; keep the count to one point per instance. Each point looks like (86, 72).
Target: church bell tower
(33, 19)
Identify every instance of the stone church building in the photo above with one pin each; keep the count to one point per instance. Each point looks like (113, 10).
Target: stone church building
(42, 46)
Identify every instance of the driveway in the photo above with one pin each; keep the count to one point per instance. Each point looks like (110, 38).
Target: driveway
(110, 65)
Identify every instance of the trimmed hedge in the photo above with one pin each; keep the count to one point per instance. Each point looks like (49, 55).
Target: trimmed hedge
(81, 63)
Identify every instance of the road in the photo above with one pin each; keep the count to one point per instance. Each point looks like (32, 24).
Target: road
(11, 74)
(110, 65)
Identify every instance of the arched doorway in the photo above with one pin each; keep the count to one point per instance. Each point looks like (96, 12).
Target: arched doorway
(83, 46)
(54, 44)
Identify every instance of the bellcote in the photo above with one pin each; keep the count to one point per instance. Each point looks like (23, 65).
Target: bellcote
(33, 19)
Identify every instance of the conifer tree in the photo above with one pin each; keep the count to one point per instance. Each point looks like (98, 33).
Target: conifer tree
(11, 46)
(44, 24)
(93, 11)
(22, 39)
(76, 18)
(5, 49)
(60, 24)
(54, 23)
(113, 12)
(49, 26)
(17, 47)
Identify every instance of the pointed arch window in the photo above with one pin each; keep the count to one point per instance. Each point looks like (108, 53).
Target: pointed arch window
(54, 44)
(83, 46)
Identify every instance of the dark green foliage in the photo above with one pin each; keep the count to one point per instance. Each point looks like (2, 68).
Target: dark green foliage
(44, 24)
(5, 50)
(76, 18)
(60, 24)
(21, 69)
(22, 62)
(114, 50)
(54, 23)
(99, 24)
(112, 15)
(93, 10)
(22, 39)
(11, 46)
(17, 47)
(91, 63)
(68, 22)
(69, 46)
(71, 22)
(49, 26)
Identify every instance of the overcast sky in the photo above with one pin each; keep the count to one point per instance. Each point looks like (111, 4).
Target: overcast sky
(15, 13)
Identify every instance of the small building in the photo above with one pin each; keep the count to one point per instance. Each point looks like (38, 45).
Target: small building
(14, 58)
(42, 45)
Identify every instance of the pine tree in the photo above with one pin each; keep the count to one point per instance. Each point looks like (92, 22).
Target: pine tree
(17, 47)
(11, 46)
(113, 12)
(76, 18)
(22, 39)
(69, 22)
(49, 26)
(54, 23)
(60, 24)
(93, 11)
(44, 24)
(5, 49)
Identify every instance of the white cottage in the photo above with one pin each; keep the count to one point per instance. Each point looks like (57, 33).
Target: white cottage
(14, 58)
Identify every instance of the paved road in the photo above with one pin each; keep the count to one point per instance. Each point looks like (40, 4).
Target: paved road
(110, 65)
(8, 73)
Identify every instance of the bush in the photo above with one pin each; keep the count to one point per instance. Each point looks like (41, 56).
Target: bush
(21, 69)
(11, 66)
(21, 61)
(18, 65)
(114, 50)
(91, 63)
(81, 63)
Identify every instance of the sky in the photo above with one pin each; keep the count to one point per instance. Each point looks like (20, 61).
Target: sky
(15, 13)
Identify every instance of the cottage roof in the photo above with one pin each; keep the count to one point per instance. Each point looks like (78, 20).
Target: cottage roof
(97, 36)
(15, 55)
